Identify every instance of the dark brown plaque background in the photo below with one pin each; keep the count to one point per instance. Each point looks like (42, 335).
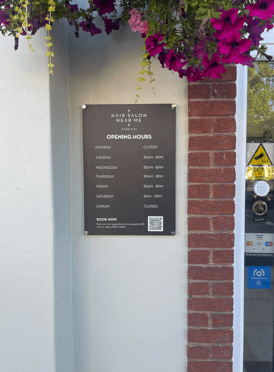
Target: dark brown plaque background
(120, 198)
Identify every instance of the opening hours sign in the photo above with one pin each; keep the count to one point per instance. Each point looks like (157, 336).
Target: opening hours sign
(129, 169)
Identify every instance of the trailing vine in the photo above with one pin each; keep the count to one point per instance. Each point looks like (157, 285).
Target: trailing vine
(146, 64)
(50, 20)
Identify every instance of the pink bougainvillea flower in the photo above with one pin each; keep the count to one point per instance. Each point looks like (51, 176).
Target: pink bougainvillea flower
(90, 27)
(263, 9)
(110, 25)
(233, 48)
(153, 44)
(213, 67)
(174, 62)
(228, 22)
(145, 28)
(136, 22)
(105, 6)
(135, 19)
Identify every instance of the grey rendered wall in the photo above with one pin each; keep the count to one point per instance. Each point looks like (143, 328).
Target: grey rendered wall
(59, 110)
(35, 242)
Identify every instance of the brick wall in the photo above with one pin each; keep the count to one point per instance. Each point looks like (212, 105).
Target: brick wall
(211, 209)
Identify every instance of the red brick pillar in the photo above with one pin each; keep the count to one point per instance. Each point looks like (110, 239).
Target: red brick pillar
(211, 222)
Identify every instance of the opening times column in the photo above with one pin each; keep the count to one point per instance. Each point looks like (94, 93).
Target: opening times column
(153, 176)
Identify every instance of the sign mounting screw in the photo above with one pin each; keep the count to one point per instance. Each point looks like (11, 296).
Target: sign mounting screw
(84, 106)
(173, 106)
(86, 232)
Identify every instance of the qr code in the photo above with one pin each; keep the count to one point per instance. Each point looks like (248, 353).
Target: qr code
(155, 223)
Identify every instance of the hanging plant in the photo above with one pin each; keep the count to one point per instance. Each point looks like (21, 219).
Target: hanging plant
(194, 38)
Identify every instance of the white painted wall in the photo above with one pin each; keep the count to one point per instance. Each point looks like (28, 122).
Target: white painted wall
(26, 218)
(129, 293)
(238, 321)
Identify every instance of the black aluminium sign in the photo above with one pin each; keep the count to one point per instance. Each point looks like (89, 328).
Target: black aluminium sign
(129, 169)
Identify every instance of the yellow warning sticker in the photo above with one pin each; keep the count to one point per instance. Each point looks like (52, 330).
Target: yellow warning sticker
(264, 172)
(260, 166)
(260, 157)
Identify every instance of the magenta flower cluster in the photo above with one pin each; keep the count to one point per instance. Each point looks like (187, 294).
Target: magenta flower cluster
(176, 61)
(231, 46)
(73, 15)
